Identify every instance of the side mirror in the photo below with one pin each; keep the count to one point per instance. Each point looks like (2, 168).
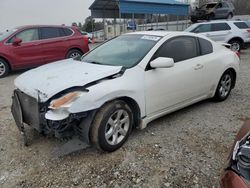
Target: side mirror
(162, 62)
(16, 41)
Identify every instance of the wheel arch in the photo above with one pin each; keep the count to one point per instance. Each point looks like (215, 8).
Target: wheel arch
(134, 108)
(236, 38)
(234, 75)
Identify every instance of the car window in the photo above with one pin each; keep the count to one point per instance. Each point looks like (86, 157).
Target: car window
(225, 5)
(220, 27)
(206, 46)
(27, 35)
(203, 28)
(211, 5)
(50, 32)
(180, 49)
(241, 25)
(67, 31)
(219, 5)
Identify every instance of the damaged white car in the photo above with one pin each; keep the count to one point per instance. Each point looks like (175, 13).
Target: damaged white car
(124, 83)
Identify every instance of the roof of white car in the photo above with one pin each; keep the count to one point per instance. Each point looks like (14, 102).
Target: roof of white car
(219, 21)
(155, 33)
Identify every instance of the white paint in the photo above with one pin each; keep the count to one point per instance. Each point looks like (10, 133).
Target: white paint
(157, 92)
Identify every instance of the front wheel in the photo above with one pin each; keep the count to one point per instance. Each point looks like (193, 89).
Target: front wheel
(4, 68)
(224, 87)
(75, 54)
(111, 126)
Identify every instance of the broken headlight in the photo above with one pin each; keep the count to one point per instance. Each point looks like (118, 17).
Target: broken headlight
(64, 101)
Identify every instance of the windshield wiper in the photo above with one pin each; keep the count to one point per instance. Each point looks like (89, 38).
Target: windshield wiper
(95, 62)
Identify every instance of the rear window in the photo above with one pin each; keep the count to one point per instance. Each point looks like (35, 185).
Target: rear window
(241, 25)
(220, 27)
(50, 32)
(203, 28)
(205, 46)
(67, 31)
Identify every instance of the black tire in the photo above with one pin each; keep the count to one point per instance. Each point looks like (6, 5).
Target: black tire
(224, 83)
(4, 68)
(101, 126)
(236, 45)
(74, 53)
(230, 16)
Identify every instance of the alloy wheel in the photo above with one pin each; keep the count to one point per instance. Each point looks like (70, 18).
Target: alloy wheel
(225, 85)
(74, 55)
(117, 127)
(2, 68)
(235, 47)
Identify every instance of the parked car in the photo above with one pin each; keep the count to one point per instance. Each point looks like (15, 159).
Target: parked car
(233, 32)
(148, 74)
(216, 10)
(32, 46)
(237, 169)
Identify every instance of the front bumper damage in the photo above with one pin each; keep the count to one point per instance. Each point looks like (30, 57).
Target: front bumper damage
(27, 110)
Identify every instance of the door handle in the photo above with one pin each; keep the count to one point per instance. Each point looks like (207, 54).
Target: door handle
(208, 35)
(198, 66)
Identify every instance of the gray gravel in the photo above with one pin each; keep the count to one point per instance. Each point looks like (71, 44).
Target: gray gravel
(184, 149)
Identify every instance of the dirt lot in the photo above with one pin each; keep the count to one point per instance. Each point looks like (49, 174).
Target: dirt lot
(184, 149)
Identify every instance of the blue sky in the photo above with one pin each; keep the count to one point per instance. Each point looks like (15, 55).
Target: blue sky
(22, 12)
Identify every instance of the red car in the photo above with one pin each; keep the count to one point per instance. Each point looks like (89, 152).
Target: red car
(31, 46)
(237, 170)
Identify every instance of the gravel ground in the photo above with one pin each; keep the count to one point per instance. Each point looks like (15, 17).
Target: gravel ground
(184, 149)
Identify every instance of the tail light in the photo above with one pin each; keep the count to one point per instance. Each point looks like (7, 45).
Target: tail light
(248, 30)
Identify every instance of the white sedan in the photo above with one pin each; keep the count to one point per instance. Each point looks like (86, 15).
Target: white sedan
(124, 83)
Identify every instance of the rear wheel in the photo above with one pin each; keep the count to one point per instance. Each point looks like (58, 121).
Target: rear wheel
(74, 54)
(112, 126)
(236, 45)
(225, 86)
(4, 68)
(230, 16)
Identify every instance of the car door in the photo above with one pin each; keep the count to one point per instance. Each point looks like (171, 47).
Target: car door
(169, 87)
(204, 29)
(220, 32)
(54, 43)
(29, 52)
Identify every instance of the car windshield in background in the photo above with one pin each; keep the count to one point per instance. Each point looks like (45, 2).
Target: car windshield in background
(5, 34)
(125, 50)
(208, 6)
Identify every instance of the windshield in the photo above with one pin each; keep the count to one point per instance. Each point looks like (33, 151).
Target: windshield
(125, 50)
(208, 6)
(5, 34)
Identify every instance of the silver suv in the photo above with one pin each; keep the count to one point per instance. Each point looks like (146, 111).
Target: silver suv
(236, 33)
(210, 11)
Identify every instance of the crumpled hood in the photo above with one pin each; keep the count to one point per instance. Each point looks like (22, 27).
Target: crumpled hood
(53, 78)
